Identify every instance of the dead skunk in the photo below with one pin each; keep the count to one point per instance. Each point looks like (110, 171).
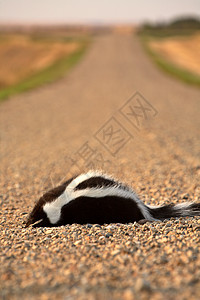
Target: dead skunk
(97, 198)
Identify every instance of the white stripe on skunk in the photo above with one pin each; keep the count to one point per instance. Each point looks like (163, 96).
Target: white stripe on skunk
(94, 197)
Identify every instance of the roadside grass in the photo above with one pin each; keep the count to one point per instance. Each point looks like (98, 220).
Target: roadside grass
(164, 64)
(47, 75)
(52, 38)
(166, 32)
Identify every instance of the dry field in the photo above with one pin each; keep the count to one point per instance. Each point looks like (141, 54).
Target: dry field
(182, 51)
(21, 56)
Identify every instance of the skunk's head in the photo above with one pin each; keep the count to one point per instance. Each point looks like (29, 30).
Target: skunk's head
(38, 217)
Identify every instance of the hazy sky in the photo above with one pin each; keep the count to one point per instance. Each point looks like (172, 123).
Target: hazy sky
(94, 11)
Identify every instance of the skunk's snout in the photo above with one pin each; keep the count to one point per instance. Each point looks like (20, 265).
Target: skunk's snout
(27, 223)
(24, 223)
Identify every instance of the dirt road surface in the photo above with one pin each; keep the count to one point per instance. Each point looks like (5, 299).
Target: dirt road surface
(151, 141)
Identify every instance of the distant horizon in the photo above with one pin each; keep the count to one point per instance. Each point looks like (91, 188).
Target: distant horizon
(96, 23)
(94, 13)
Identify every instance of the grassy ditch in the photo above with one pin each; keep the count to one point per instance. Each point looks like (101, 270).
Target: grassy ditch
(165, 64)
(173, 46)
(54, 71)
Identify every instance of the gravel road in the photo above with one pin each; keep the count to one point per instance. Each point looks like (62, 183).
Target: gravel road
(118, 112)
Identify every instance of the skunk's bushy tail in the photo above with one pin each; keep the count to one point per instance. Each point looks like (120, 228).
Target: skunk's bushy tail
(188, 209)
